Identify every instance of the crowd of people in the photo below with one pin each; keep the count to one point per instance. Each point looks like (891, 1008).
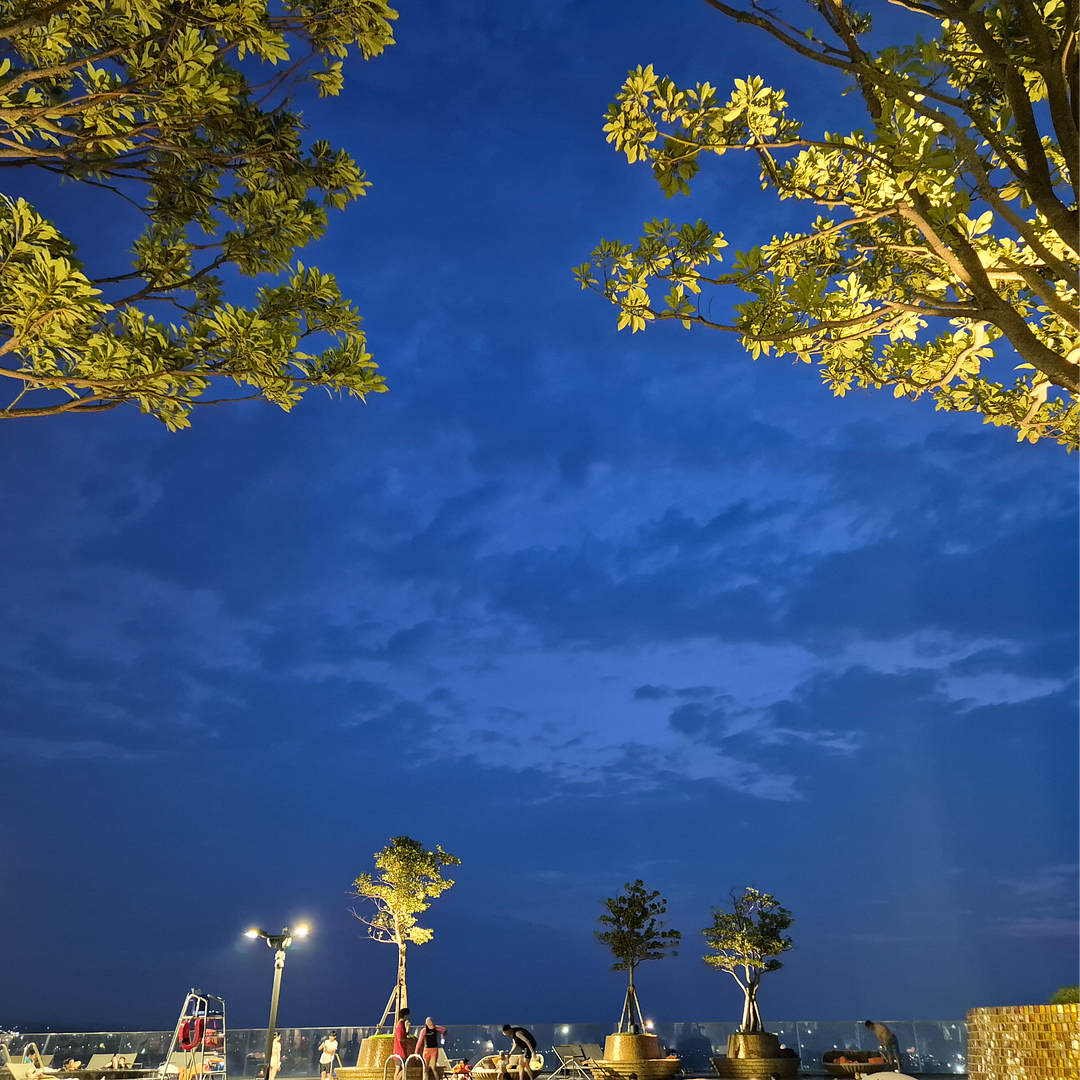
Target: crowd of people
(428, 1039)
(425, 1043)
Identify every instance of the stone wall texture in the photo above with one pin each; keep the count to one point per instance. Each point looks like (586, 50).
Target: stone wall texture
(1024, 1042)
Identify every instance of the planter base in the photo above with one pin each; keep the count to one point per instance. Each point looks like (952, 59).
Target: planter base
(753, 1055)
(784, 1068)
(646, 1069)
(624, 1046)
(375, 1052)
(635, 1052)
(359, 1072)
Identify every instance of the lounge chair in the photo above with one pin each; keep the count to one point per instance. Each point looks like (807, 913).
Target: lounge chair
(593, 1059)
(19, 1067)
(571, 1062)
(99, 1061)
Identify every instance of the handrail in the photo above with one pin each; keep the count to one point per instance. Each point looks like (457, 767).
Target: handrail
(404, 1063)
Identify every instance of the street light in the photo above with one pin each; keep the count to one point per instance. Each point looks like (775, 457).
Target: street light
(279, 943)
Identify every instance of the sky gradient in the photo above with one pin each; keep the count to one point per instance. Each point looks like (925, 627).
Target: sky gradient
(580, 606)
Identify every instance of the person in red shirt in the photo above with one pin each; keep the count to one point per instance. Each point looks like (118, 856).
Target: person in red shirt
(402, 1043)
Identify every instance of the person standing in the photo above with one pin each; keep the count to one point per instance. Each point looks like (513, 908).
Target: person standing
(890, 1048)
(327, 1053)
(275, 1056)
(402, 1043)
(523, 1048)
(427, 1044)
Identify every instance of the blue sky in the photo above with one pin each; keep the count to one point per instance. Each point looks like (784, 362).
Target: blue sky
(580, 606)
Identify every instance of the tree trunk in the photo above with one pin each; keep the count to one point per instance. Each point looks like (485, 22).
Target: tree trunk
(751, 1014)
(402, 991)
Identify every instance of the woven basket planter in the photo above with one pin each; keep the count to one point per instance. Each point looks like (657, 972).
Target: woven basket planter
(487, 1068)
(624, 1046)
(757, 1044)
(375, 1052)
(858, 1067)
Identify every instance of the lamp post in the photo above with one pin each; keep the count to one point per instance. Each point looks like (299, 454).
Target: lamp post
(279, 943)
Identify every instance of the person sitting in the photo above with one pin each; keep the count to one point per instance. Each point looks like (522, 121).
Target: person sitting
(462, 1068)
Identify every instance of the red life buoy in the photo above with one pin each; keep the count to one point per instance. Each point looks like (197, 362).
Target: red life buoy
(191, 1032)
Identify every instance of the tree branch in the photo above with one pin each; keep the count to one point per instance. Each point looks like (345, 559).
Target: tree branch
(83, 404)
(31, 22)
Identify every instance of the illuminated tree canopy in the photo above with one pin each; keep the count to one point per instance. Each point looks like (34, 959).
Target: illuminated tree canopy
(949, 227)
(409, 878)
(750, 937)
(182, 109)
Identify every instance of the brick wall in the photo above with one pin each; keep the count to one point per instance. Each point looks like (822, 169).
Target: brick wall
(1024, 1042)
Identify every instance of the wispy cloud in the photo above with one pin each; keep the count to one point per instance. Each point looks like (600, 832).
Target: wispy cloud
(76, 750)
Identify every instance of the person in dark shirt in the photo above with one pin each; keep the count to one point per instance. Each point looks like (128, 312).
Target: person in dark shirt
(521, 1052)
(427, 1044)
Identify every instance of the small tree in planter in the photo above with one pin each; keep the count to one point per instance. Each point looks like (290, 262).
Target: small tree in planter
(635, 933)
(409, 877)
(750, 937)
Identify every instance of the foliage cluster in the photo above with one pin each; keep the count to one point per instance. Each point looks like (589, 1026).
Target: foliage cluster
(750, 937)
(161, 103)
(635, 930)
(409, 878)
(949, 232)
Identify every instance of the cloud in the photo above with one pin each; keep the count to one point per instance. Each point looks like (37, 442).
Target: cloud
(1050, 884)
(1035, 927)
(76, 750)
(658, 693)
(999, 688)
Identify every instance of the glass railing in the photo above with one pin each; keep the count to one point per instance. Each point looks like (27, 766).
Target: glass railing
(927, 1046)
